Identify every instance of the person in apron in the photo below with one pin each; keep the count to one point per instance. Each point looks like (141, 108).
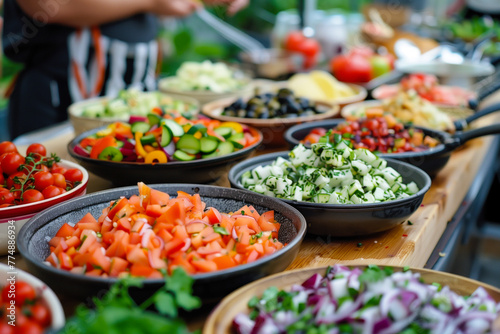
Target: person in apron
(79, 49)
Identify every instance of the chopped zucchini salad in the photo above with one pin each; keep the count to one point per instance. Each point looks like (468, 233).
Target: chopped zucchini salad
(331, 173)
(373, 300)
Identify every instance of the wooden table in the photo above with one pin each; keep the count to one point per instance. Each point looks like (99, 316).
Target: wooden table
(406, 245)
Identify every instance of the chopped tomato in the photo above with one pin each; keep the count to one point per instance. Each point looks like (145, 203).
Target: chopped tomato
(147, 233)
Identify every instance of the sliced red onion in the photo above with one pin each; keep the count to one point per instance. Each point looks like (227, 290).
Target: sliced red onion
(81, 151)
(128, 144)
(234, 234)
(154, 127)
(187, 244)
(145, 238)
(313, 282)
(243, 324)
(127, 151)
(136, 118)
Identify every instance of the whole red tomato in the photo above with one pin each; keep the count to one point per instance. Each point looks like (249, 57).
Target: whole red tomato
(37, 149)
(293, 40)
(351, 68)
(6, 196)
(40, 314)
(43, 180)
(7, 147)
(5, 328)
(32, 195)
(51, 191)
(11, 163)
(308, 47)
(73, 175)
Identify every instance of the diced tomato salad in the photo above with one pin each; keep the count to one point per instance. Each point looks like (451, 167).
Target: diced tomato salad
(151, 232)
(378, 132)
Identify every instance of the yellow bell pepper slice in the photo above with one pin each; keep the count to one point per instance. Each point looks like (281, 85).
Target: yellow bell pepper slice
(233, 125)
(138, 146)
(156, 156)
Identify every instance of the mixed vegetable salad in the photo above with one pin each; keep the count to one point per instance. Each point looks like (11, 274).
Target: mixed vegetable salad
(331, 173)
(159, 138)
(373, 300)
(378, 133)
(150, 233)
(205, 76)
(134, 102)
(283, 104)
(33, 177)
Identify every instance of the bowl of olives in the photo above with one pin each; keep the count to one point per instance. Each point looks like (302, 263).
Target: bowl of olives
(271, 113)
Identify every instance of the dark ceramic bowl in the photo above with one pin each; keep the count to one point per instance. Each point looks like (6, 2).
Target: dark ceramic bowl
(210, 287)
(129, 173)
(342, 220)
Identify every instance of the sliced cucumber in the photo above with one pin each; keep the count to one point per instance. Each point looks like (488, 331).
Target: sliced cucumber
(189, 144)
(140, 127)
(183, 156)
(214, 154)
(236, 145)
(208, 144)
(237, 136)
(149, 139)
(153, 119)
(225, 148)
(176, 129)
(166, 136)
(225, 132)
(195, 128)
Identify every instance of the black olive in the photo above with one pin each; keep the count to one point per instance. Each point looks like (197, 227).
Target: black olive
(293, 107)
(290, 115)
(264, 114)
(273, 104)
(231, 113)
(255, 101)
(250, 114)
(283, 109)
(238, 104)
(241, 113)
(304, 102)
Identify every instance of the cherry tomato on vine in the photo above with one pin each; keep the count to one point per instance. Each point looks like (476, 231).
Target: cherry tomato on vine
(73, 175)
(7, 147)
(30, 327)
(40, 314)
(32, 195)
(11, 162)
(5, 328)
(11, 180)
(43, 180)
(6, 196)
(37, 148)
(51, 191)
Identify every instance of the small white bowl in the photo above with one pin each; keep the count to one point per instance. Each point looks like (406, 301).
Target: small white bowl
(18, 215)
(48, 296)
(202, 96)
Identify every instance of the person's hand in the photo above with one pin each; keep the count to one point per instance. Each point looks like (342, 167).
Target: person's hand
(174, 7)
(233, 6)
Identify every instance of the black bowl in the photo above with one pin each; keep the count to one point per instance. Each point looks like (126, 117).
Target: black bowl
(342, 220)
(213, 286)
(129, 173)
